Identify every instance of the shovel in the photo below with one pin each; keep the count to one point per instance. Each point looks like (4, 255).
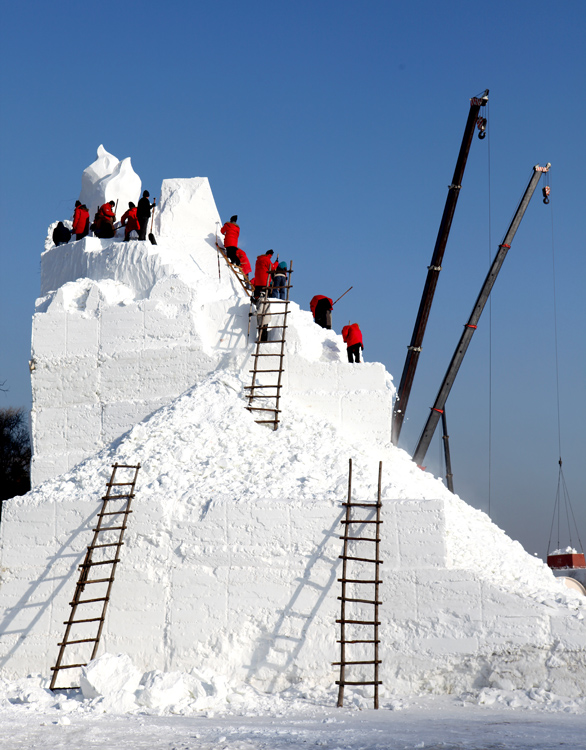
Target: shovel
(152, 239)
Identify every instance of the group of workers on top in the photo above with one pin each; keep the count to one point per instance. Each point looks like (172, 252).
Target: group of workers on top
(270, 277)
(135, 219)
(270, 280)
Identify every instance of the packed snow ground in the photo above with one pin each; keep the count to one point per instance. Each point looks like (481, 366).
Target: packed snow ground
(30, 717)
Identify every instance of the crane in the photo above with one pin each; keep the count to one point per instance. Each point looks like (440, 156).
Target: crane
(433, 270)
(438, 407)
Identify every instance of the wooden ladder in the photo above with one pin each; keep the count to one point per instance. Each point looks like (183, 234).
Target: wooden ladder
(236, 270)
(359, 585)
(265, 397)
(108, 537)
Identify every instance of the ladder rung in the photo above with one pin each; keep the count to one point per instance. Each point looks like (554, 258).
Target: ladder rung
(88, 601)
(360, 559)
(118, 497)
(365, 521)
(349, 663)
(267, 328)
(346, 641)
(114, 513)
(363, 505)
(266, 315)
(82, 640)
(260, 408)
(257, 371)
(273, 341)
(360, 539)
(89, 619)
(252, 387)
(347, 682)
(98, 580)
(355, 580)
(267, 354)
(68, 666)
(119, 484)
(363, 601)
(102, 562)
(99, 546)
(266, 421)
(109, 528)
(357, 622)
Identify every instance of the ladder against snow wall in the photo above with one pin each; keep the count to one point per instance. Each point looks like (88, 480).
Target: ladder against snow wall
(83, 628)
(360, 599)
(268, 358)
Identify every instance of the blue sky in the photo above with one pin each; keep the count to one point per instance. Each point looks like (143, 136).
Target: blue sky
(332, 130)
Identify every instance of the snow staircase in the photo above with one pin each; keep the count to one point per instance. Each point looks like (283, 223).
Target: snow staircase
(271, 315)
(236, 270)
(102, 554)
(356, 586)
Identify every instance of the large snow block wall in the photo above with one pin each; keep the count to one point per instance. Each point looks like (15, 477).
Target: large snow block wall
(249, 591)
(122, 328)
(100, 368)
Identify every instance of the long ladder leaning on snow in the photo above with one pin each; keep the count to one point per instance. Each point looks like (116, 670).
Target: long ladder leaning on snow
(271, 315)
(236, 270)
(108, 536)
(358, 621)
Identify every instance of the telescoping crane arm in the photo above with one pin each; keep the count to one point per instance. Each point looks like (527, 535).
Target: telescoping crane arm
(470, 327)
(433, 270)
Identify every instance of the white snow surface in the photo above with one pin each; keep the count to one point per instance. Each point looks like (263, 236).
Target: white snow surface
(234, 541)
(206, 443)
(164, 713)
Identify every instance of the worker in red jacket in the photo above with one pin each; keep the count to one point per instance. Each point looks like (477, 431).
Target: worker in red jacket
(262, 272)
(107, 210)
(321, 308)
(352, 336)
(81, 221)
(103, 225)
(243, 262)
(130, 222)
(231, 232)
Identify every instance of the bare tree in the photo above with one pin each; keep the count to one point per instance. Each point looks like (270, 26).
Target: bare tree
(15, 454)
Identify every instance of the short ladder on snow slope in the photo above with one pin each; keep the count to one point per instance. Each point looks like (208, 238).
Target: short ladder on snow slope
(236, 270)
(103, 555)
(359, 592)
(264, 397)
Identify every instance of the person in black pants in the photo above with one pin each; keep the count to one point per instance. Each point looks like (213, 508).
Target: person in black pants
(143, 213)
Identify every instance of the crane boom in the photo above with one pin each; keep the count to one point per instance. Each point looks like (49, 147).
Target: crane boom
(470, 327)
(433, 270)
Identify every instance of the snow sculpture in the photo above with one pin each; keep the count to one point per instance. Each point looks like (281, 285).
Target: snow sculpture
(108, 179)
(123, 328)
(140, 354)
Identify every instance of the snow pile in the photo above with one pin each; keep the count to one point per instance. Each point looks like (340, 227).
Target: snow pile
(205, 445)
(232, 550)
(112, 685)
(228, 581)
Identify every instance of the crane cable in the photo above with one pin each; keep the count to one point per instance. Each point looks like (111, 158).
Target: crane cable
(489, 322)
(562, 494)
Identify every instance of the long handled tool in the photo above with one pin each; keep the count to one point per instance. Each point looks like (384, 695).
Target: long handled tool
(340, 297)
(219, 272)
(152, 239)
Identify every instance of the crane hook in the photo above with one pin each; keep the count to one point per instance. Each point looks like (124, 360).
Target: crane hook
(481, 125)
(546, 192)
